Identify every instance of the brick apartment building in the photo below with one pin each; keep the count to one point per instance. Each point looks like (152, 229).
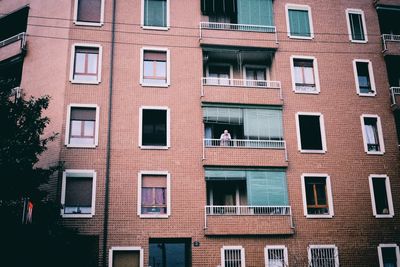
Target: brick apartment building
(142, 91)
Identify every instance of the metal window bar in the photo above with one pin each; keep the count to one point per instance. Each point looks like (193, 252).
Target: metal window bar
(241, 83)
(276, 257)
(20, 36)
(242, 143)
(232, 258)
(323, 257)
(393, 92)
(389, 38)
(248, 210)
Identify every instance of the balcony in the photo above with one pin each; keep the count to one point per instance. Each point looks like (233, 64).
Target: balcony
(229, 34)
(395, 97)
(248, 220)
(12, 46)
(391, 44)
(237, 151)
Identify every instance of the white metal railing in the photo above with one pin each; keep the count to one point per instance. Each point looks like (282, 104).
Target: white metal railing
(389, 38)
(275, 144)
(237, 27)
(20, 36)
(248, 211)
(393, 92)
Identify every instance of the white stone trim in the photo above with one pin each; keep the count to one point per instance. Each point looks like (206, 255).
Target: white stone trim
(371, 77)
(380, 256)
(322, 130)
(162, 49)
(380, 133)
(356, 11)
(299, 7)
(388, 193)
(316, 73)
(72, 63)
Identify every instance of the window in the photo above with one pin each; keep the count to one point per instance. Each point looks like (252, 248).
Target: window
(170, 252)
(154, 194)
(389, 255)
(232, 256)
(86, 64)
(299, 21)
(372, 134)
(255, 75)
(78, 193)
(304, 74)
(154, 67)
(356, 25)
(126, 257)
(82, 126)
(89, 12)
(154, 127)
(317, 196)
(364, 77)
(219, 74)
(155, 14)
(323, 256)
(381, 196)
(276, 256)
(310, 132)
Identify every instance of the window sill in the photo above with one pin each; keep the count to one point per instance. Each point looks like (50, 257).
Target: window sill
(154, 85)
(84, 82)
(313, 151)
(387, 216)
(301, 37)
(80, 146)
(327, 216)
(154, 216)
(156, 28)
(359, 41)
(307, 93)
(76, 215)
(369, 94)
(154, 147)
(375, 152)
(91, 24)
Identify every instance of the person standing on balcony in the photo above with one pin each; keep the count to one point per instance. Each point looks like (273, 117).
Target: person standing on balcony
(225, 138)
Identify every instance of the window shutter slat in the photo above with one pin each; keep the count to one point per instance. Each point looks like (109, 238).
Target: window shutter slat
(155, 56)
(78, 191)
(255, 12)
(154, 181)
(84, 114)
(89, 10)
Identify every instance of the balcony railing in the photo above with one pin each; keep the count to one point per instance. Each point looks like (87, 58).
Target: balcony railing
(241, 143)
(20, 36)
(394, 91)
(248, 211)
(389, 38)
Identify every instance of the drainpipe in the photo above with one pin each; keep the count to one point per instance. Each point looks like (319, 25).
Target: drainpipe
(108, 159)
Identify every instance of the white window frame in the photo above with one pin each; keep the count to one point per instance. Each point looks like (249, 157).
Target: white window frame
(154, 27)
(93, 24)
(139, 200)
(168, 127)
(242, 254)
(72, 64)
(81, 173)
(371, 77)
(68, 122)
(316, 75)
(285, 254)
(322, 130)
(329, 195)
(260, 67)
(360, 12)
(380, 133)
(388, 194)
(220, 65)
(159, 49)
(112, 249)
(380, 256)
(322, 247)
(299, 7)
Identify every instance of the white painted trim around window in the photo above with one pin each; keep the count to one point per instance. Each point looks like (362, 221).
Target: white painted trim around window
(242, 254)
(328, 192)
(380, 133)
(154, 27)
(299, 7)
(316, 74)
(285, 254)
(380, 256)
(356, 11)
(83, 23)
(72, 63)
(322, 247)
(139, 194)
(68, 122)
(388, 194)
(371, 77)
(78, 173)
(112, 249)
(142, 50)
(168, 127)
(322, 130)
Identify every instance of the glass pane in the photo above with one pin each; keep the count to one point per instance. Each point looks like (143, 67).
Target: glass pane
(155, 13)
(89, 128)
(309, 75)
(147, 196)
(92, 63)
(148, 69)
(76, 128)
(321, 193)
(357, 30)
(298, 75)
(161, 69)
(310, 193)
(380, 194)
(389, 256)
(80, 63)
(168, 254)
(81, 141)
